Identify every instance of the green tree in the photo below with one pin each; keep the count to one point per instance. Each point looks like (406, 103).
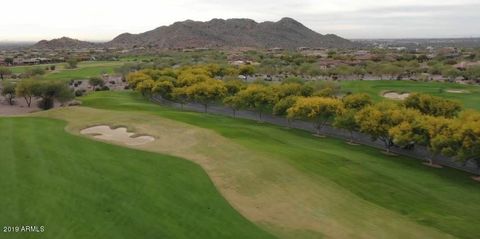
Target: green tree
(234, 103)
(247, 70)
(72, 63)
(346, 120)
(8, 91)
(26, 89)
(4, 71)
(95, 82)
(49, 91)
(36, 71)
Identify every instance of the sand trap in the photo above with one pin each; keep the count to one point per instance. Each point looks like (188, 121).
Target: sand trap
(395, 95)
(119, 134)
(456, 91)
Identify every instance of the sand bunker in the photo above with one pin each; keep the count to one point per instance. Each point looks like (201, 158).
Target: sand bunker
(456, 91)
(395, 95)
(119, 134)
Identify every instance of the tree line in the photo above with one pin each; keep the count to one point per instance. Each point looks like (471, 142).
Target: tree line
(441, 125)
(45, 90)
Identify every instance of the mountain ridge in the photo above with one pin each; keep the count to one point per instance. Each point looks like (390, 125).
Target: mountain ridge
(218, 33)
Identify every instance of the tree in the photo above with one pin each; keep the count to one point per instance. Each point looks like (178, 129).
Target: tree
(136, 77)
(95, 82)
(376, 120)
(325, 89)
(281, 107)
(433, 105)
(356, 101)
(473, 73)
(163, 88)
(189, 77)
(257, 97)
(180, 95)
(439, 136)
(72, 63)
(36, 71)
(49, 91)
(145, 87)
(26, 89)
(4, 71)
(9, 60)
(247, 70)
(206, 92)
(467, 134)
(8, 91)
(451, 73)
(319, 110)
(346, 120)
(287, 89)
(234, 86)
(234, 103)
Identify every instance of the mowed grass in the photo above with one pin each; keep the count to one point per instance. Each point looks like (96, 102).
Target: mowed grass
(470, 99)
(79, 188)
(84, 70)
(445, 200)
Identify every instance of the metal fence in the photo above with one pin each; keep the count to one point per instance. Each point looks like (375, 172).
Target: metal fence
(418, 152)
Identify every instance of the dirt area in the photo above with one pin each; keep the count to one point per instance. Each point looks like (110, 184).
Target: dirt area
(457, 91)
(119, 134)
(112, 82)
(395, 95)
(477, 178)
(18, 108)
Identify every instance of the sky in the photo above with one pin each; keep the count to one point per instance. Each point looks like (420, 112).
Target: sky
(102, 20)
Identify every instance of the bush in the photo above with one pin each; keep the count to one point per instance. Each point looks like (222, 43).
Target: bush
(78, 93)
(46, 103)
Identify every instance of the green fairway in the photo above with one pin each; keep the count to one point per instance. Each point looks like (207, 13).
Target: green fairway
(357, 185)
(470, 99)
(79, 188)
(84, 70)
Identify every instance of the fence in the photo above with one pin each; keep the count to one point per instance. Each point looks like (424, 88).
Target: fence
(418, 152)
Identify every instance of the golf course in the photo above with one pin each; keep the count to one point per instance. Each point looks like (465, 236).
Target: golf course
(224, 177)
(467, 95)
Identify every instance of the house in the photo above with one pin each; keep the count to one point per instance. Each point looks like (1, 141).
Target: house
(275, 49)
(303, 48)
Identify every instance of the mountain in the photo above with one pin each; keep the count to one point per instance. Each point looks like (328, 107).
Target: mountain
(286, 33)
(63, 43)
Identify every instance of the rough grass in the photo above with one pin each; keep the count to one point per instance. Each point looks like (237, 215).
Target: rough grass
(470, 99)
(79, 188)
(297, 185)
